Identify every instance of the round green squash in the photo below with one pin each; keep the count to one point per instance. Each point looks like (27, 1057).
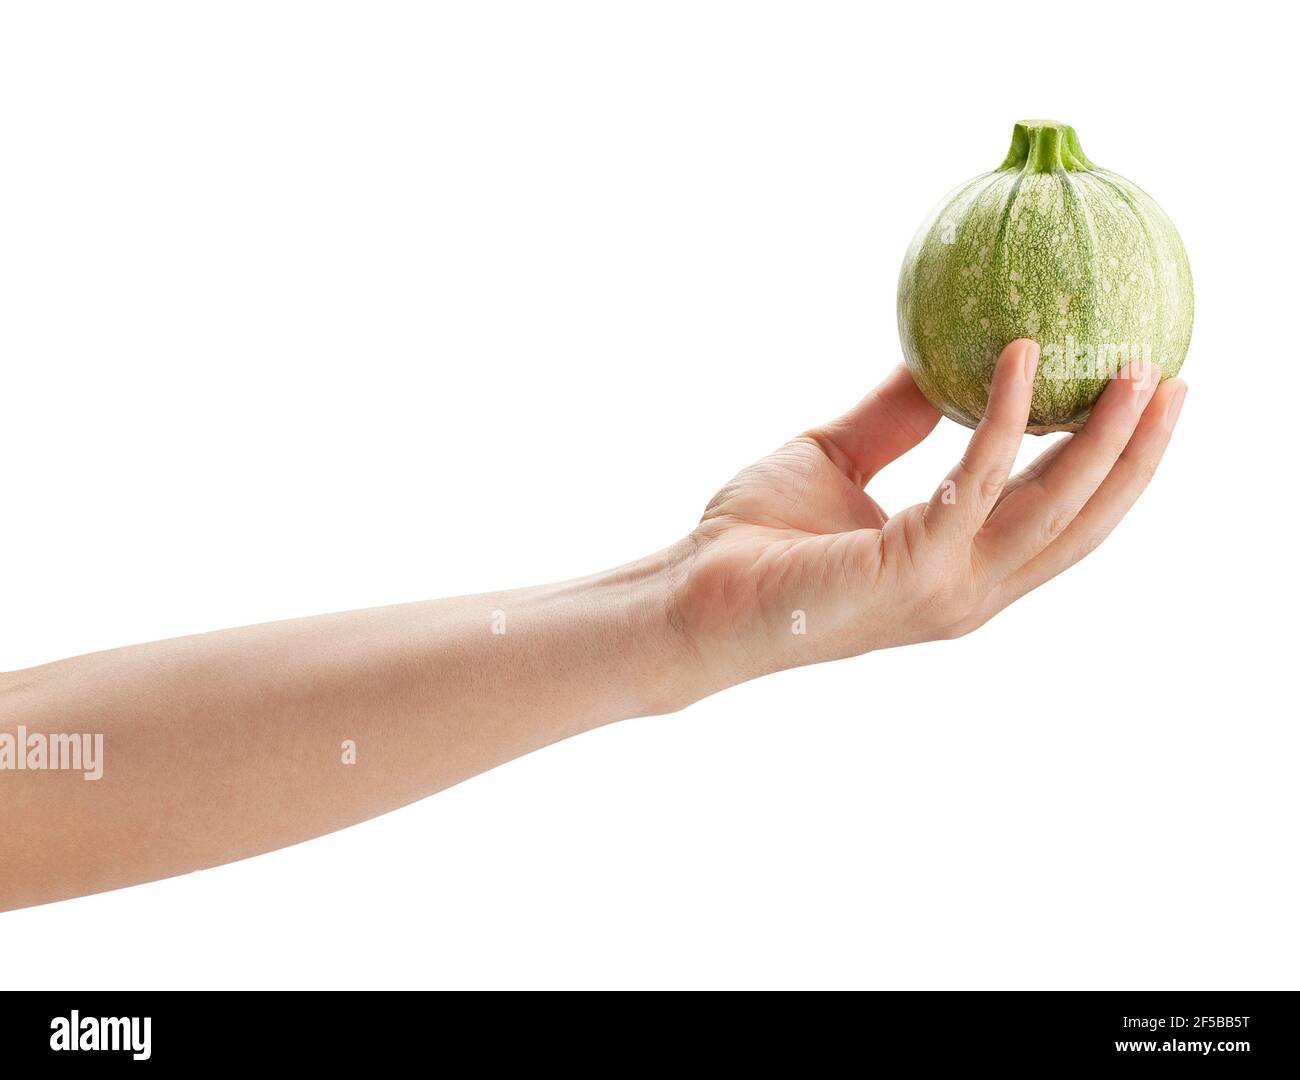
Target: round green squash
(1050, 247)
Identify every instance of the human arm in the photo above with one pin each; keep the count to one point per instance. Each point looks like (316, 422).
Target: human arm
(224, 745)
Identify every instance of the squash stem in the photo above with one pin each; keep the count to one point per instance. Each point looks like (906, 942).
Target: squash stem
(1044, 146)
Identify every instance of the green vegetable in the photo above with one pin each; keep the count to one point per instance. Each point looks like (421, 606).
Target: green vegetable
(1050, 247)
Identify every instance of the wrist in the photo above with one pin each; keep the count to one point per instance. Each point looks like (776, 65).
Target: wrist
(647, 635)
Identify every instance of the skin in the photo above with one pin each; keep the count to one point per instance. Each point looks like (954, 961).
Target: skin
(1050, 246)
(224, 745)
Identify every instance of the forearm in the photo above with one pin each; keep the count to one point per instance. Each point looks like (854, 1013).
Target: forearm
(225, 745)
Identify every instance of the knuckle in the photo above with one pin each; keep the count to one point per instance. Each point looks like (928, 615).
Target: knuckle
(986, 478)
(988, 606)
(959, 628)
(1057, 522)
(990, 484)
(1144, 470)
(1113, 446)
(1091, 542)
(721, 498)
(929, 585)
(1107, 445)
(945, 602)
(952, 632)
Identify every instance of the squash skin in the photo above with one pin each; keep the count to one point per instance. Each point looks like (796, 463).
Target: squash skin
(1049, 247)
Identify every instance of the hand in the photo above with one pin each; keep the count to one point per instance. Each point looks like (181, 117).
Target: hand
(232, 743)
(794, 563)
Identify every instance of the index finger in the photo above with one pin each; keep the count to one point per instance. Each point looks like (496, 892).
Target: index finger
(962, 502)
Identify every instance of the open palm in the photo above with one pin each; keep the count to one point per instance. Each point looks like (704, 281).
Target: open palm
(794, 562)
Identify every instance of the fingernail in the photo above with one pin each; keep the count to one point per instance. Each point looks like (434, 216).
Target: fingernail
(1030, 359)
(1175, 405)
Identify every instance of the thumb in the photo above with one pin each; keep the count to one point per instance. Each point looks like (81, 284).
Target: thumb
(884, 425)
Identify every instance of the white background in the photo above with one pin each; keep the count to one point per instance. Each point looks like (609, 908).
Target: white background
(307, 307)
